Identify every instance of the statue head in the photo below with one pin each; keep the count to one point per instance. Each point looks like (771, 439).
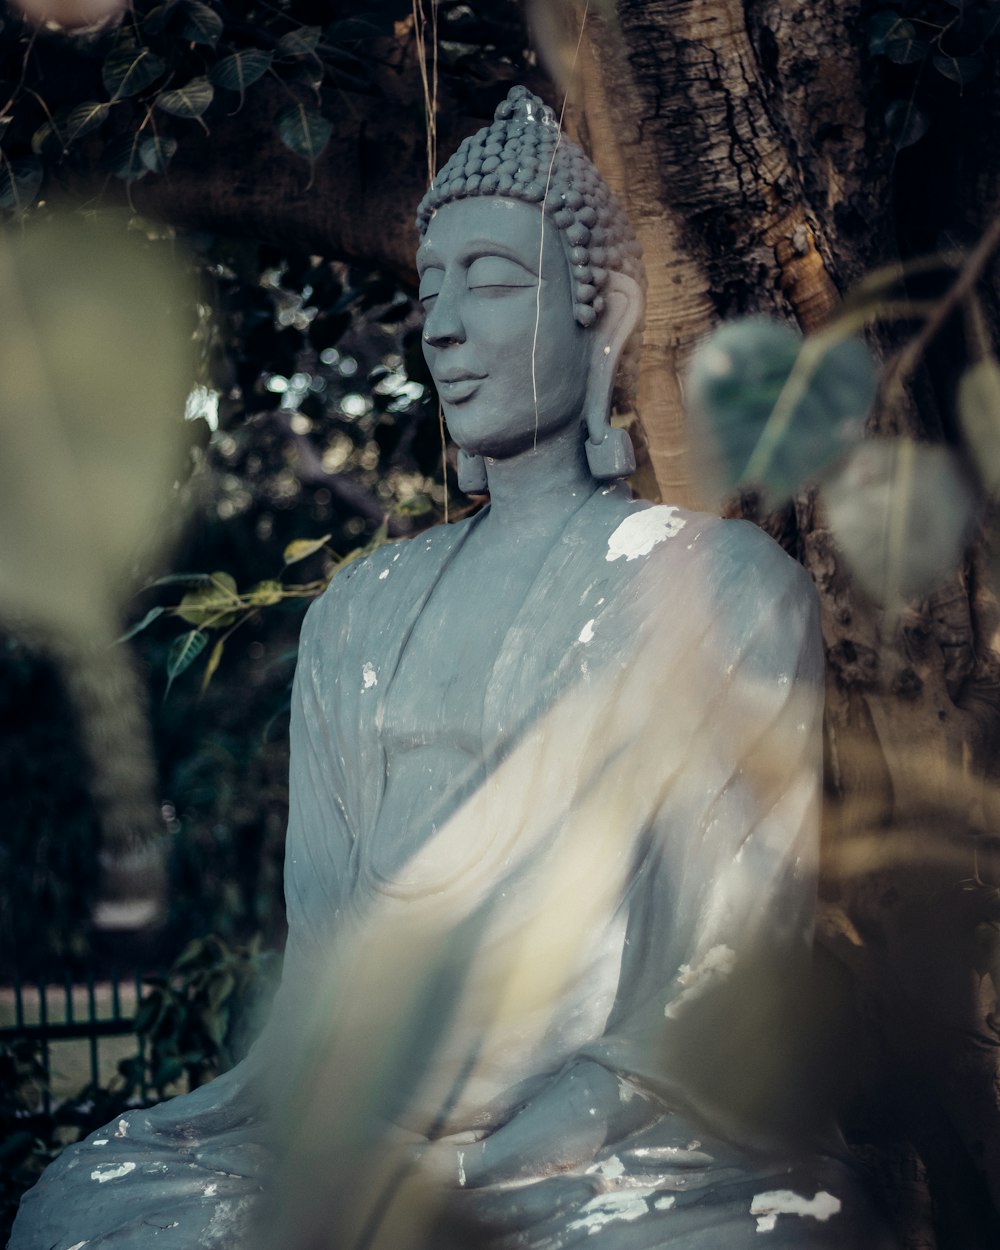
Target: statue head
(556, 301)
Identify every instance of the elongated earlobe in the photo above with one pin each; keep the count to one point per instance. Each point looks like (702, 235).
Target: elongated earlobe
(610, 453)
(471, 473)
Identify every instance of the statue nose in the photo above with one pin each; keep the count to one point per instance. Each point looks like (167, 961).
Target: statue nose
(443, 324)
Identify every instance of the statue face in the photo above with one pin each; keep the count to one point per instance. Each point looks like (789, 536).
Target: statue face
(491, 310)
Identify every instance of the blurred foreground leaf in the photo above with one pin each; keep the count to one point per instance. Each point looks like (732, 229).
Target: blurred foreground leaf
(95, 363)
(901, 513)
(776, 410)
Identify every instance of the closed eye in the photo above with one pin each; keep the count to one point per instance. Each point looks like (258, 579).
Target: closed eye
(498, 275)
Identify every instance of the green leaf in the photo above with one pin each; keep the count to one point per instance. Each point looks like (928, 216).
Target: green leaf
(738, 378)
(960, 69)
(241, 69)
(901, 513)
(124, 158)
(46, 141)
(81, 120)
(130, 68)
(211, 606)
(885, 26)
(190, 100)
(301, 42)
(979, 417)
(266, 593)
(20, 182)
(182, 579)
(304, 130)
(905, 123)
(301, 548)
(906, 50)
(182, 654)
(156, 152)
(213, 663)
(139, 626)
(201, 24)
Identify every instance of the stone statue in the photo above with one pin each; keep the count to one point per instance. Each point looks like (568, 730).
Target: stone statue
(573, 738)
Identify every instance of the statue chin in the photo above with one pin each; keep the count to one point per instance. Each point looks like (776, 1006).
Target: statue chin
(552, 842)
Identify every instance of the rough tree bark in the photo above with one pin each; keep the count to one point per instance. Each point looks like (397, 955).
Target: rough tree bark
(746, 139)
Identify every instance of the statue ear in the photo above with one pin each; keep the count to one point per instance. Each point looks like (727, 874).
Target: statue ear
(609, 451)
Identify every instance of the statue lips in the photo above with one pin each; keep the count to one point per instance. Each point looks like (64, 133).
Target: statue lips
(459, 385)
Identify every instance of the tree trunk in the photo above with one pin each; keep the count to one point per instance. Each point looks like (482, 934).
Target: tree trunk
(746, 139)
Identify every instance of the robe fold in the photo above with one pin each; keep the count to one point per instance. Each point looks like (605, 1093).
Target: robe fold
(616, 893)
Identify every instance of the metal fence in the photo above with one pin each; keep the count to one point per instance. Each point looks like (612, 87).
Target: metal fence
(48, 1012)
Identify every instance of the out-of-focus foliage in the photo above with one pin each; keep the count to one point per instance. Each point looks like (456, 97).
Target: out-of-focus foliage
(156, 71)
(94, 361)
(200, 1018)
(928, 51)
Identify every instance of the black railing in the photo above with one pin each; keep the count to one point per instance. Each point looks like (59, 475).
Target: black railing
(89, 1023)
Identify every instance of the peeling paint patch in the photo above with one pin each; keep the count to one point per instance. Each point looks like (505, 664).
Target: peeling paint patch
(664, 1204)
(211, 1190)
(111, 1172)
(461, 1167)
(639, 533)
(99, 1141)
(383, 575)
(611, 1169)
(79, 1245)
(714, 966)
(623, 1205)
(768, 1206)
(122, 1129)
(369, 677)
(587, 633)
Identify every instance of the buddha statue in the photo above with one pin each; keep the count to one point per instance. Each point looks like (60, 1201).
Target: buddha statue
(554, 782)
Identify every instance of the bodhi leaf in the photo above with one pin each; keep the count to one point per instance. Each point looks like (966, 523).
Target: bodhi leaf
(191, 100)
(303, 547)
(960, 69)
(905, 123)
(182, 654)
(211, 606)
(201, 24)
(304, 130)
(901, 513)
(241, 69)
(130, 68)
(139, 626)
(301, 42)
(81, 120)
(738, 378)
(266, 593)
(979, 415)
(213, 663)
(124, 158)
(20, 182)
(156, 152)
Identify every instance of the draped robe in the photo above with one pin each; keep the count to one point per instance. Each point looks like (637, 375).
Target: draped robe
(621, 883)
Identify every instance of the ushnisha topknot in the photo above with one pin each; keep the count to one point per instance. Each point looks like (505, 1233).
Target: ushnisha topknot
(512, 158)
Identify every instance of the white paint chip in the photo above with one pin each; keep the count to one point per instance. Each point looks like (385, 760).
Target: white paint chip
(714, 966)
(622, 1205)
(383, 575)
(664, 1204)
(79, 1245)
(122, 1129)
(639, 533)
(211, 1190)
(99, 1141)
(461, 1167)
(587, 633)
(111, 1172)
(369, 677)
(768, 1206)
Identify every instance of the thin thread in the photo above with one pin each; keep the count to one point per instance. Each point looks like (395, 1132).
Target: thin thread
(429, 82)
(541, 240)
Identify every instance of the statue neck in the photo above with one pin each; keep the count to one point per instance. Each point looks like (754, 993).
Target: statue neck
(540, 487)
